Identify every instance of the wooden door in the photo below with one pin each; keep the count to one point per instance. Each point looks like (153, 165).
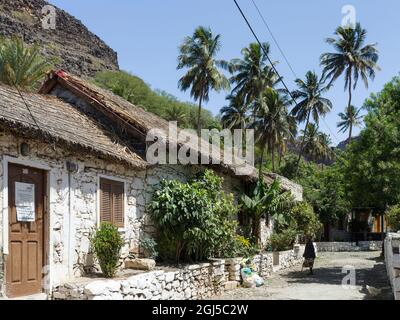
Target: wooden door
(26, 239)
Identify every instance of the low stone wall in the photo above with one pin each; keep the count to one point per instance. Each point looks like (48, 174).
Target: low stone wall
(200, 281)
(370, 245)
(349, 246)
(392, 260)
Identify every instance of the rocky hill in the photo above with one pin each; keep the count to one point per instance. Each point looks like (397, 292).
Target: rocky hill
(78, 50)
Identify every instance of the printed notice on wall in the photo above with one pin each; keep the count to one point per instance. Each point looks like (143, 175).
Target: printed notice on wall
(25, 201)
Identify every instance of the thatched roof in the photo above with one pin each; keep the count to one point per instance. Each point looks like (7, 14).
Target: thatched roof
(139, 122)
(41, 116)
(136, 120)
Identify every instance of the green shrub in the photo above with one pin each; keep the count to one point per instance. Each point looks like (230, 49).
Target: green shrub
(282, 241)
(107, 244)
(244, 248)
(149, 248)
(195, 220)
(393, 217)
(307, 223)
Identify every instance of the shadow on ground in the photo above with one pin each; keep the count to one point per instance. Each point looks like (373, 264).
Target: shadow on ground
(373, 281)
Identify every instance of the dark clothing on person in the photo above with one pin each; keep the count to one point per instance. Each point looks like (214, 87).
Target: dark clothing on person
(309, 256)
(309, 252)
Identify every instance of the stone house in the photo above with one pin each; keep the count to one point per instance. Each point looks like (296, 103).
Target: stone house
(73, 155)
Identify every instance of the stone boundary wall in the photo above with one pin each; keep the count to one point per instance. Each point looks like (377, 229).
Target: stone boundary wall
(349, 246)
(392, 261)
(200, 281)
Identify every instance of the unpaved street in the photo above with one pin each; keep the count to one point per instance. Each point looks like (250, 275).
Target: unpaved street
(326, 283)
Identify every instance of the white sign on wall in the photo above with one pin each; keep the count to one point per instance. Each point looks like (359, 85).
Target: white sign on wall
(25, 201)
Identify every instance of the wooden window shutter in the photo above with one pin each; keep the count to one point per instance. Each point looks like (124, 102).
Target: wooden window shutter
(118, 204)
(112, 202)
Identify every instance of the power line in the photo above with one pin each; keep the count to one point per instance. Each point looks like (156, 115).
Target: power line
(281, 51)
(274, 39)
(265, 51)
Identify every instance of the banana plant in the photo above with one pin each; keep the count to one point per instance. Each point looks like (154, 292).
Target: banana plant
(266, 201)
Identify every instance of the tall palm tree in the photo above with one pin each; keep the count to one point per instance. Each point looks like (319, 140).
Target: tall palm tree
(271, 123)
(349, 119)
(234, 116)
(22, 65)
(252, 74)
(352, 58)
(316, 143)
(311, 102)
(198, 55)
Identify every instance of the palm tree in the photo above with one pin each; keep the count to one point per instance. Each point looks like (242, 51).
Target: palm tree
(271, 123)
(349, 119)
(234, 116)
(197, 53)
(352, 58)
(176, 113)
(327, 151)
(316, 143)
(310, 103)
(252, 74)
(22, 65)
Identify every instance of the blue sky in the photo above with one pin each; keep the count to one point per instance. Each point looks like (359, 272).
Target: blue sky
(146, 34)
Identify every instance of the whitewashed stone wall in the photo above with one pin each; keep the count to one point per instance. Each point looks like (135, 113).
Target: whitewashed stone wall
(200, 281)
(73, 256)
(70, 249)
(392, 261)
(349, 246)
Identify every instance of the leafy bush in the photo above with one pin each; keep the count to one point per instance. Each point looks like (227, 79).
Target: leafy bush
(149, 247)
(393, 217)
(307, 223)
(282, 241)
(107, 244)
(195, 220)
(244, 247)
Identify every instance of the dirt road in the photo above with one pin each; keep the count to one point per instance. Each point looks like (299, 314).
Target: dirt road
(371, 281)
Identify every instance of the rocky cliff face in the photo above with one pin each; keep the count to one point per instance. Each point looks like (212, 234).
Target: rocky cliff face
(78, 50)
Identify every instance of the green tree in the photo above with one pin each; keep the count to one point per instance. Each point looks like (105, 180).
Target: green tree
(234, 116)
(330, 198)
(352, 58)
(252, 74)
(22, 65)
(310, 103)
(317, 145)
(271, 123)
(393, 217)
(372, 161)
(198, 55)
(349, 119)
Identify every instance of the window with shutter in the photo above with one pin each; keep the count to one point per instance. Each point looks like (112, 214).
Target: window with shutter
(112, 202)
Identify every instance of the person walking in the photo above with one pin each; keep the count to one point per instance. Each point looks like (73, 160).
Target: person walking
(309, 255)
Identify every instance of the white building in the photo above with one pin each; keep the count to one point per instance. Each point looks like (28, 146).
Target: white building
(71, 157)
